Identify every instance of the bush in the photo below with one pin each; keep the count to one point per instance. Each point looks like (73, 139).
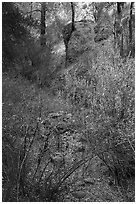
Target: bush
(105, 109)
(98, 116)
(14, 25)
(31, 168)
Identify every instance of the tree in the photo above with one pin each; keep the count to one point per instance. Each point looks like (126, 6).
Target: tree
(131, 27)
(124, 28)
(68, 30)
(14, 31)
(73, 16)
(118, 35)
(43, 26)
(130, 22)
(31, 5)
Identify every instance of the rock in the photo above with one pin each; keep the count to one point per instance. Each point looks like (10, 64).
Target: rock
(78, 194)
(55, 115)
(110, 182)
(80, 183)
(58, 159)
(89, 181)
(99, 180)
(80, 149)
(83, 140)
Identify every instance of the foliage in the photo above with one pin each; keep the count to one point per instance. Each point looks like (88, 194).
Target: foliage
(104, 27)
(68, 131)
(14, 31)
(25, 131)
(105, 109)
(122, 29)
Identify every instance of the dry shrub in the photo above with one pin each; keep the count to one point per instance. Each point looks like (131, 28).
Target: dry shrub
(105, 107)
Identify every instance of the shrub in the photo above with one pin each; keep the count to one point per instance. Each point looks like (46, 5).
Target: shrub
(105, 110)
(33, 164)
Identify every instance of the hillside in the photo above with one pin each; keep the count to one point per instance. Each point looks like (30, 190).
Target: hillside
(68, 126)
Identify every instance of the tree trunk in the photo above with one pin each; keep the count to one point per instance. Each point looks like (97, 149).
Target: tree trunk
(73, 16)
(130, 23)
(31, 10)
(43, 26)
(120, 6)
(131, 27)
(68, 30)
(118, 38)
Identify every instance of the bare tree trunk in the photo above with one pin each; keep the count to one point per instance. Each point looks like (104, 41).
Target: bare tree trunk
(118, 36)
(131, 46)
(120, 6)
(73, 16)
(31, 10)
(68, 30)
(130, 23)
(43, 26)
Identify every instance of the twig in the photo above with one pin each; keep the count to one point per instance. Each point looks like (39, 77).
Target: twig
(35, 172)
(130, 144)
(73, 169)
(5, 172)
(43, 172)
(27, 152)
(24, 159)
(18, 183)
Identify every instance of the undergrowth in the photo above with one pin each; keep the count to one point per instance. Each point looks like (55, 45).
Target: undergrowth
(103, 104)
(42, 132)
